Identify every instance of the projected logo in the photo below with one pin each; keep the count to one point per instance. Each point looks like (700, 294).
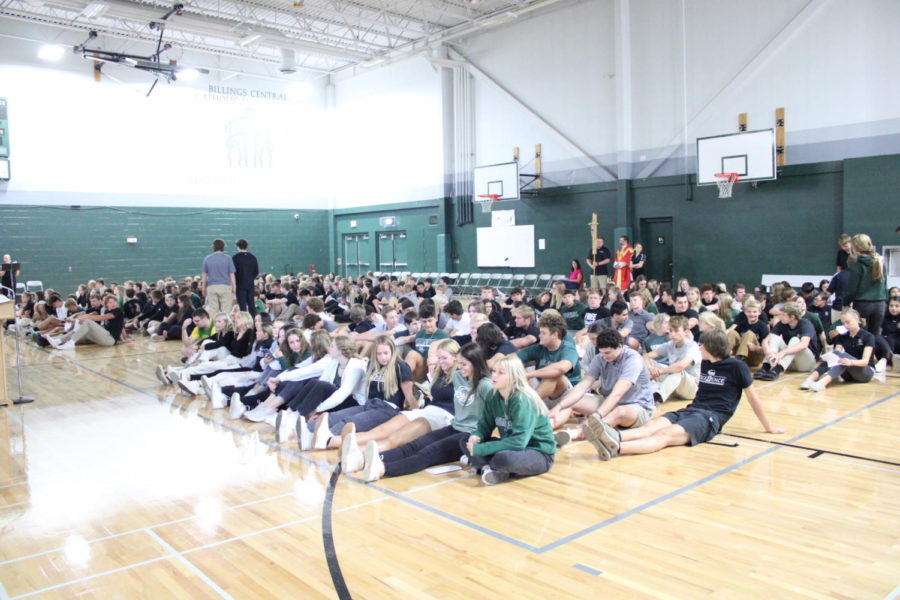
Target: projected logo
(248, 141)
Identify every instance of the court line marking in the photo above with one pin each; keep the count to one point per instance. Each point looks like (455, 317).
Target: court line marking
(816, 452)
(498, 535)
(587, 569)
(3, 594)
(191, 566)
(578, 534)
(331, 558)
(893, 595)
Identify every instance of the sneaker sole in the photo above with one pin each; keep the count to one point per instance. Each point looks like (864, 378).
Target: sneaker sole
(186, 389)
(370, 459)
(593, 436)
(278, 420)
(562, 438)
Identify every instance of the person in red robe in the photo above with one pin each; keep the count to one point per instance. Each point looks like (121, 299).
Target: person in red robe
(622, 264)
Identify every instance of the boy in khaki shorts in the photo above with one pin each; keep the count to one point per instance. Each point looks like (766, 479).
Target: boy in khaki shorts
(625, 397)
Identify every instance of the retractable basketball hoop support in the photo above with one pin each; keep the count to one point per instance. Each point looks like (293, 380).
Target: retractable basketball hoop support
(536, 178)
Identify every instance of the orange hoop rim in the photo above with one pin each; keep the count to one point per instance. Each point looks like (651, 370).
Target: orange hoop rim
(732, 177)
(491, 197)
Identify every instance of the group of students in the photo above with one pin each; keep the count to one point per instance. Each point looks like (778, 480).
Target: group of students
(408, 377)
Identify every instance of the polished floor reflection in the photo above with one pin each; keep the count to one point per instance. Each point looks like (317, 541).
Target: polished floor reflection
(112, 486)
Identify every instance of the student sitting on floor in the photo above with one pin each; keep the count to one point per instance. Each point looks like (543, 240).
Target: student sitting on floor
(408, 425)
(386, 389)
(555, 358)
(852, 359)
(791, 344)
(679, 375)
(101, 329)
(625, 397)
(747, 333)
(471, 386)
(722, 382)
(525, 445)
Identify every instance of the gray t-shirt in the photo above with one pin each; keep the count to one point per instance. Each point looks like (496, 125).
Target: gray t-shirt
(630, 367)
(639, 322)
(218, 266)
(674, 354)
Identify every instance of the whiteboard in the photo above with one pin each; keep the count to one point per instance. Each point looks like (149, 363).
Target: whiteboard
(506, 246)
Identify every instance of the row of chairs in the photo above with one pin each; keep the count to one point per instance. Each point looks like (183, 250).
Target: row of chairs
(471, 283)
(30, 286)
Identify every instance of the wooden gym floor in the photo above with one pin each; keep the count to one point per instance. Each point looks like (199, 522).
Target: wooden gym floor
(114, 487)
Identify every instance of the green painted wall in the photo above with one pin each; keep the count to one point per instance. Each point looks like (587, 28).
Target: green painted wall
(790, 225)
(64, 247)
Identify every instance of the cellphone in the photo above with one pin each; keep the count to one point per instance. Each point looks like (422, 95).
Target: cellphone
(841, 330)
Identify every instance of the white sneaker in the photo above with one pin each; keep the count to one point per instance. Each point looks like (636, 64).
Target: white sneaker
(173, 374)
(206, 385)
(322, 433)
(286, 426)
(351, 457)
(70, 345)
(52, 340)
(374, 466)
(161, 375)
(816, 386)
(805, 384)
(563, 437)
(191, 388)
(260, 413)
(304, 435)
(216, 397)
(237, 408)
(272, 419)
(881, 366)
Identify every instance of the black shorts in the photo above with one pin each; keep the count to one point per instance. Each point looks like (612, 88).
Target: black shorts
(701, 425)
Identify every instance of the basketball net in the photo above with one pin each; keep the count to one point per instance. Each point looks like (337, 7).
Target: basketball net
(725, 182)
(485, 200)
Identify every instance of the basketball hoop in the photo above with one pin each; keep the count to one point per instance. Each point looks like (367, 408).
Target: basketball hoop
(726, 180)
(486, 200)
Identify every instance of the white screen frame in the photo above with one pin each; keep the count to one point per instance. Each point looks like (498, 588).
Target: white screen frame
(750, 154)
(505, 247)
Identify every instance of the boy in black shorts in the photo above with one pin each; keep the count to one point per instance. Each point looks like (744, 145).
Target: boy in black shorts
(722, 381)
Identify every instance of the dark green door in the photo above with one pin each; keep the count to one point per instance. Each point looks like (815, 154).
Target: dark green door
(656, 235)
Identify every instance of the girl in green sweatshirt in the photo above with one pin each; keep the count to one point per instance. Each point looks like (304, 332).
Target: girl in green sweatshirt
(526, 445)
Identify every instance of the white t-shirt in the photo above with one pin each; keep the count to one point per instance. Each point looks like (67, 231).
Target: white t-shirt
(462, 324)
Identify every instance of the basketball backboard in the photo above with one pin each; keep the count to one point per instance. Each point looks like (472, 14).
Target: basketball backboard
(501, 180)
(750, 154)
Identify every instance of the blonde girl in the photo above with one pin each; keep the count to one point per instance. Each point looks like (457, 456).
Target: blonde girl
(526, 445)
(409, 425)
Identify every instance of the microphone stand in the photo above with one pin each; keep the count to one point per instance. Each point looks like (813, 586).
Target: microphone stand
(21, 399)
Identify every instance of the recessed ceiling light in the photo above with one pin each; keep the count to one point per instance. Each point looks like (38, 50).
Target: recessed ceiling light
(187, 74)
(249, 39)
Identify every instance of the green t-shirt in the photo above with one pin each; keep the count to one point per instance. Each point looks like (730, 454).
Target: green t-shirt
(652, 341)
(816, 322)
(467, 408)
(542, 357)
(574, 315)
(424, 340)
(520, 424)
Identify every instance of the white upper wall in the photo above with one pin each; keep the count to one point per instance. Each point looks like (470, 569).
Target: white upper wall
(388, 136)
(241, 142)
(561, 65)
(830, 63)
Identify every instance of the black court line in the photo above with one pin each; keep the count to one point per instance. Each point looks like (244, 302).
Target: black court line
(334, 566)
(816, 452)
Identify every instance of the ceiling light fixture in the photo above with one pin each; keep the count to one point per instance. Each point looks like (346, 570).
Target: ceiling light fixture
(94, 9)
(249, 39)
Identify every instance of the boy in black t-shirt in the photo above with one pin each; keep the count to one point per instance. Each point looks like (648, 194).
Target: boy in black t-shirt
(792, 344)
(101, 329)
(683, 309)
(523, 332)
(747, 334)
(722, 382)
